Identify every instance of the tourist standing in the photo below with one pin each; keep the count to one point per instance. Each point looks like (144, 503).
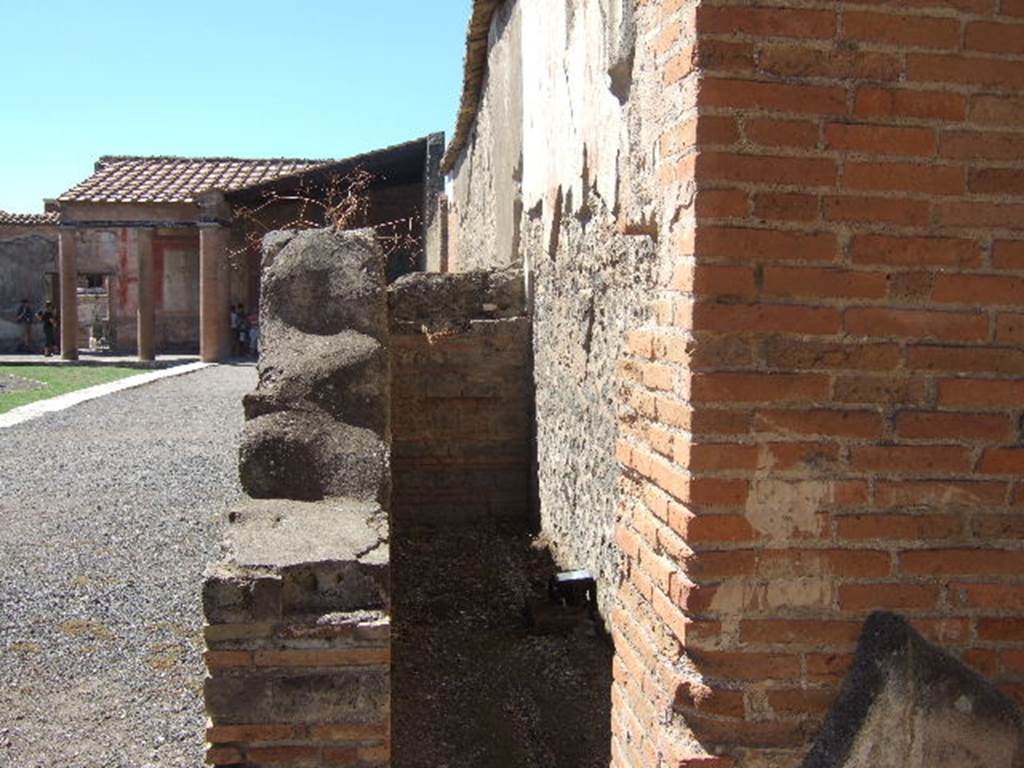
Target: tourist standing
(24, 318)
(254, 334)
(242, 332)
(234, 331)
(49, 320)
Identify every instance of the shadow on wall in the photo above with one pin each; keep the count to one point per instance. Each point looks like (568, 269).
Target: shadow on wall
(471, 685)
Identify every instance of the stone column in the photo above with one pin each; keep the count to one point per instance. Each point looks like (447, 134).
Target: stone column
(146, 318)
(68, 294)
(214, 293)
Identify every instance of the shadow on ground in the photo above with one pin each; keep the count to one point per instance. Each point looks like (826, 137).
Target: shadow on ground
(471, 687)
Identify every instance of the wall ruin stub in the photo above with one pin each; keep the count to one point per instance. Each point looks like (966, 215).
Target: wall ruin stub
(298, 609)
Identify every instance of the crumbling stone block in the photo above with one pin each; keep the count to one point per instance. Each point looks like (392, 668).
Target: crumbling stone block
(296, 455)
(318, 421)
(907, 704)
(457, 298)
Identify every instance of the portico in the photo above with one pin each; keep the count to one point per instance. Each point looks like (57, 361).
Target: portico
(173, 240)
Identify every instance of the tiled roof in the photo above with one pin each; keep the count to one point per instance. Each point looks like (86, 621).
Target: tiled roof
(28, 219)
(474, 72)
(178, 179)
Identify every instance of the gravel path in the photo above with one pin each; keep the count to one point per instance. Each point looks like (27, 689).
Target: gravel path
(109, 512)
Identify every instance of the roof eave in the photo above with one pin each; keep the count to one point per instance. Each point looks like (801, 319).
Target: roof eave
(474, 74)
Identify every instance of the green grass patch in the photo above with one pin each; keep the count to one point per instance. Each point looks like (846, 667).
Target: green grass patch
(55, 380)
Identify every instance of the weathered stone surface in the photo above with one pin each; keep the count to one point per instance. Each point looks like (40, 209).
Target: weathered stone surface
(303, 588)
(298, 455)
(282, 533)
(323, 282)
(343, 695)
(273, 242)
(344, 376)
(907, 704)
(319, 417)
(234, 596)
(285, 557)
(455, 299)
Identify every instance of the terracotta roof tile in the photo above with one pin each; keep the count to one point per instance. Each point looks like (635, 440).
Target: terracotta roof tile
(474, 72)
(121, 179)
(28, 219)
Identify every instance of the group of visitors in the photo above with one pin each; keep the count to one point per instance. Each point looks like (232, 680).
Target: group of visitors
(245, 329)
(245, 332)
(25, 317)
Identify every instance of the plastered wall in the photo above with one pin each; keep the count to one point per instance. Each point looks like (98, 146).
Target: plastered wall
(113, 251)
(26, 255)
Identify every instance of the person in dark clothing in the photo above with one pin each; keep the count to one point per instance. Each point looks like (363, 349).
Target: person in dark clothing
(241, 332)
(24, 318)
(49, 320)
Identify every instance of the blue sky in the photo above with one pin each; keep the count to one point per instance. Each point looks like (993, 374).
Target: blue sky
(309, 78)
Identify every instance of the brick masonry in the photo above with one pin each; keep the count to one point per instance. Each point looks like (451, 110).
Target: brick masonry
(298, 606)
(462, 399)
(823, 415)
(298, 690)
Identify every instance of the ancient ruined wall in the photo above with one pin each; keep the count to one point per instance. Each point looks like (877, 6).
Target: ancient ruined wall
(297, 609)
(484, 202)
(566, 189)
(27, 254)
(833, 388)
(462, 399)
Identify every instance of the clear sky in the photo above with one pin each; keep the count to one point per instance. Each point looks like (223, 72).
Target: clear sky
(240, 78)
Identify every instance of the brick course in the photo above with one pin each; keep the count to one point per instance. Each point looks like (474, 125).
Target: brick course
(298, 689)
(462, 405)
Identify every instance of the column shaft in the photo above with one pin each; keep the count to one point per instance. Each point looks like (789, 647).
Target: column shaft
(68, 267)
(214, 293)
(146, 319)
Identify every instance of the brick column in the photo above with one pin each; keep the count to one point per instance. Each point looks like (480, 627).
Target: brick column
(146, 309)
(68, 294)
(828, 392)
(214, 297)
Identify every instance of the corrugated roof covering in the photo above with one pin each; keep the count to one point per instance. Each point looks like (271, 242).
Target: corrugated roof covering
(474, 72)
(120, 179)
(28, 219)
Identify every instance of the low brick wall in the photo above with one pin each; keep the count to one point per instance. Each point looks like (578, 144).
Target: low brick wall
(352, 652)
(298, 646)
(462, 398)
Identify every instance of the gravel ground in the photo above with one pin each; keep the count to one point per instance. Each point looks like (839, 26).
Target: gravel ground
(109, 512)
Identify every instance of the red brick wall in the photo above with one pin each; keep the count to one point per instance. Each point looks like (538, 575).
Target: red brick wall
(823, 416)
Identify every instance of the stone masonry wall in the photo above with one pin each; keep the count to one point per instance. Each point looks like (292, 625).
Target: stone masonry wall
(298, 638)
(555, 173)
(462, 399)
(830, 390)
